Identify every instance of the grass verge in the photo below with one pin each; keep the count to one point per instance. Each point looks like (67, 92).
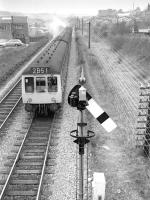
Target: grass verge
(13, 58)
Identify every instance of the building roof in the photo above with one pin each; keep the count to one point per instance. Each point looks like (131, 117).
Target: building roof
(14, 19)
(125, 14)
(19, 19)
(5, 20)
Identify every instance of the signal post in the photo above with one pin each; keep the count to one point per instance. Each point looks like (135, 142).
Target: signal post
(81, 99)
(77, 98)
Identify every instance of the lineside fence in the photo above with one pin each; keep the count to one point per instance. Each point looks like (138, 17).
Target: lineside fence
(143, 122)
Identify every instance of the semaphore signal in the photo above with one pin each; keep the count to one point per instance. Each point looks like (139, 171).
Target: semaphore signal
(103, 118)
(92, 106)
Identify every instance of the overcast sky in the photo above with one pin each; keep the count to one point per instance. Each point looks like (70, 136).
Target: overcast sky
(84, 7)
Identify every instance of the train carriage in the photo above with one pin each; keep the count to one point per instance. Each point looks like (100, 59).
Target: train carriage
(42, 82)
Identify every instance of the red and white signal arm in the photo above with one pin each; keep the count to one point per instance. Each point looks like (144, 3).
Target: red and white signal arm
(102, 117)
(93, 107)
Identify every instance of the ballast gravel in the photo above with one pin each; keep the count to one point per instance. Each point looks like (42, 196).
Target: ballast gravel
(62, 185)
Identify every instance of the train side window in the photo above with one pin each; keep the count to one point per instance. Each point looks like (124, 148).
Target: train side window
(40, 84)
(29, 84)
(52, 84)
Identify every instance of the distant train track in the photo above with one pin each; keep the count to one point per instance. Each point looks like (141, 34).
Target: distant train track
(26, 174)
(9, 103)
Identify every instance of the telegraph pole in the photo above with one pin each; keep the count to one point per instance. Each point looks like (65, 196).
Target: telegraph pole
(79, 22)
(82, 26)
(89, 45)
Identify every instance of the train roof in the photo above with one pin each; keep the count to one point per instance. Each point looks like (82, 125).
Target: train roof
(50, 64)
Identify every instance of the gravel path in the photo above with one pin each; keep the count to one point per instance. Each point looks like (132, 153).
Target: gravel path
(64, 186)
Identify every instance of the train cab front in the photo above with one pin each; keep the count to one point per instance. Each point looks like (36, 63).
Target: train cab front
(41, 93)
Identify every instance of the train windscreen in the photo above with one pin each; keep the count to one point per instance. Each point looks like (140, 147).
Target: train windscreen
(29, 84)
(40, 84)
(52, 84)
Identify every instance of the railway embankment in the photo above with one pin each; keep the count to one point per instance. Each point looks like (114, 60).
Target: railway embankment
(12, 78)
(12, 59)
(132, 47)
(115, 83)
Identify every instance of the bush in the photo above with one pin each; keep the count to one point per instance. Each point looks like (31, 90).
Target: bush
(119, 29)
(117, 42)
(105, 30)
(135, 45)
(101, 30)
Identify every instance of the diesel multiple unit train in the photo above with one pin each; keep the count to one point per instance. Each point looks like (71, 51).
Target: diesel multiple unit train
(43, 81)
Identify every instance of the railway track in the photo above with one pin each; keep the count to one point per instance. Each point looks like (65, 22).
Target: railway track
(26, 174)
(25, 177)
(9, 102)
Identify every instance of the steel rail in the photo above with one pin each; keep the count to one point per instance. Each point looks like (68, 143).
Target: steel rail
(45, 159)
(12, 109)
(14, 164)
(10, 113)
(10, 91)
(3, 193)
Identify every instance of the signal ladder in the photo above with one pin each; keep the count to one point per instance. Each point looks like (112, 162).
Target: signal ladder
(143, 123)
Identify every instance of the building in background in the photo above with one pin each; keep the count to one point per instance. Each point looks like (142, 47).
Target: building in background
(14, 27)
(20, 28)
(5, 28)
(109, 15)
